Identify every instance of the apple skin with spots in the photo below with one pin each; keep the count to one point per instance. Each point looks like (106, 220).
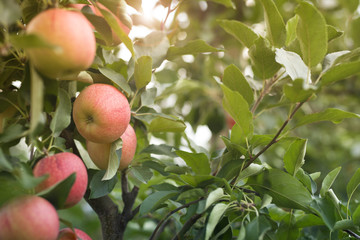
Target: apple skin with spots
(59, 167)
(71, 32)
(28, 218)
(101, 113)
(68, 234)
(99, 152)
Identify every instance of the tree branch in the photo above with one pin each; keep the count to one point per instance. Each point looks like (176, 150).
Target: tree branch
(186, 227)
(113, 223)
(275, 138)
(153, 235)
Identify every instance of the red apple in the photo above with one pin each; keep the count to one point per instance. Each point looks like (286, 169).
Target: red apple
(70, 31)
(101, 113)
(59, 167)
(96, 11)
(99, 152)
(28, 218)
(68, 234)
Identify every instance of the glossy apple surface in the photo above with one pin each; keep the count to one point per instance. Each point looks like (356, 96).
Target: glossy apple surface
(28, 218)
(73, 36)
(59, 167)
(99, 153)
(101, 113)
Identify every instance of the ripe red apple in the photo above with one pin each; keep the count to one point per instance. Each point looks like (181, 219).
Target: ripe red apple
(28, 218)
(115, 39)
(70, 31)
(101, 113)
(99, 152)
(59, 167)
(68, 234)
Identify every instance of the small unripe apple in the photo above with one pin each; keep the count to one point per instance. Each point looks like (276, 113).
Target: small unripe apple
(99, 152)
(68, 234)
(101, 113)
(59, 167)
(70, 31)
(28, 218)
(115, 39)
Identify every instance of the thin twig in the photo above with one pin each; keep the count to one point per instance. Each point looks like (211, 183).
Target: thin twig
(187, 226)
(351, 233)
(275, 138)
(153, 235)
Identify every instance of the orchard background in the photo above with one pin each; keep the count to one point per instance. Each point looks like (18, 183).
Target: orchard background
(287, 72)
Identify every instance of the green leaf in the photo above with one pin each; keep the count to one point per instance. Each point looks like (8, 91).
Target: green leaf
(299, 90)
(62, 116)
(143, 71)
(257, 228)
(161, 149)
(154, 200)
(98, 187)
(344, 224)
(263, 59)
(164, 124)
(37, 94)
(251, 170)
(216, 213)
(275, 25)
(213, 197)
(340, 72)
(114, 160)
(58, 193)
(112, 21)
(356, 215)
(192, 47)
(328, 181)
(31, 41)
(312, 33)
(332, 59)
(116, 78)
(101, 26)
(142, 173)
(333, 33)
(238, 108)
(285, 190)
(353, 184)
(293, 64)
(294, 156)
(226, 3)
(291, 26)
(325, 208)
(235, 80)
(85, 156)
(191, 194)
(230, 169)
(240, 31)
(331, 114)
(5, 165)
(198, 162)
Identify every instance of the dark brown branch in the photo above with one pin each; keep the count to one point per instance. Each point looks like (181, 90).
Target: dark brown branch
(153, 235)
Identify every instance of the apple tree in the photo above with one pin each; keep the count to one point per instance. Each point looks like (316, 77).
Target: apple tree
(273, 83)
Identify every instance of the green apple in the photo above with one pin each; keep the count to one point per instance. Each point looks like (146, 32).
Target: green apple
(71, 32)
(59, 167)
(28, 218)
(101, 113)
(100, 152)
